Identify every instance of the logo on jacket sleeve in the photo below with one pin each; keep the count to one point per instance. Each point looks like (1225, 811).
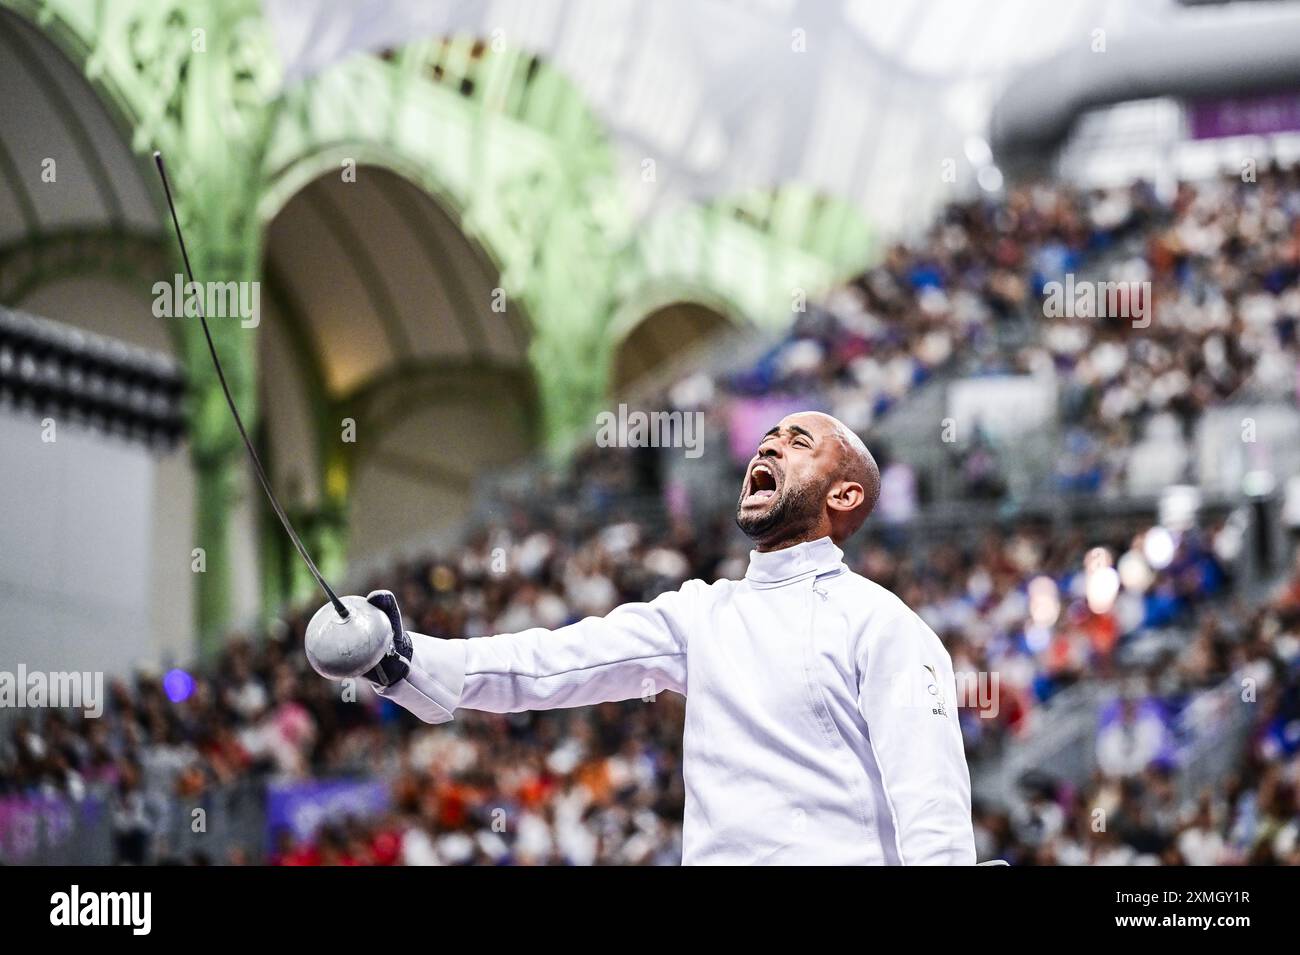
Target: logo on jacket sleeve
(937, 706)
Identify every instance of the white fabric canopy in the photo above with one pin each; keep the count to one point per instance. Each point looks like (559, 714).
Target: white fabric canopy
(866, 102)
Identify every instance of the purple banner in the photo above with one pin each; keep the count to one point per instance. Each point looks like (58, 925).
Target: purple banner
(1243, 115)
(32, 825)
(303, 807)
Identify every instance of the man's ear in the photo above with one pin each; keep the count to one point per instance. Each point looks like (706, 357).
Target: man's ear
(846, 496)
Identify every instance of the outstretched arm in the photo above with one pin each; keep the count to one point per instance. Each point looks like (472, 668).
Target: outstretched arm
(636, 651)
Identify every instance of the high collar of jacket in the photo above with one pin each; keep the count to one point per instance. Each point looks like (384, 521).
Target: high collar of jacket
(811, 558)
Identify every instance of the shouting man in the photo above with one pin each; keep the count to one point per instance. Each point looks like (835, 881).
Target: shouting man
(821, 719)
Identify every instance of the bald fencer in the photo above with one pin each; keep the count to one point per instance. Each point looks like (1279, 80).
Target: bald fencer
(821, 712)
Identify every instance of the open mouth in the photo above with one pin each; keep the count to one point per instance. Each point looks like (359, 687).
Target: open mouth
(761, 487)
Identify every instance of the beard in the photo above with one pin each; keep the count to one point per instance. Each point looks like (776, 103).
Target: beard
(795, 509)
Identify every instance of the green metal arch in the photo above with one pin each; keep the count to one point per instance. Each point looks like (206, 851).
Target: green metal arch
(503, 142)
(813, 241)
(428, 376)
(56, 22)
(74, 37)
(529, 181)
(506, 151)
(126, 256)
(290, 182)
(662, 291)
(325, 159)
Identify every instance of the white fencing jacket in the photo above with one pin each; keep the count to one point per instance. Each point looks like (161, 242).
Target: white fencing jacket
(821, 713)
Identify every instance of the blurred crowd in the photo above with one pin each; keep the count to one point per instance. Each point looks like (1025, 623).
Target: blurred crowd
(1145, 805)
(1042, 607)
(1222, 259)
(978, 268)
(602, 784)
(1205, 309)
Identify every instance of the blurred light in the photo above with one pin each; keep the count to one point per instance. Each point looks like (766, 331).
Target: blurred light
(443, 578)
(1101, 589)
(1231, 538)
(1178, 506)
(1097, 558)
(989, 178)
(1130, 611)
(1037, 638)
(1287, 646)
(178, 685)
(1290, 501)
(977, 151)
(1258, 483)
(1134, 572)
(336, 479)
(1044, 602)
(1158, 545)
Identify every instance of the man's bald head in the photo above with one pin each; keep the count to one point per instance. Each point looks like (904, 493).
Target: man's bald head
(812, 477)
(859, 466)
